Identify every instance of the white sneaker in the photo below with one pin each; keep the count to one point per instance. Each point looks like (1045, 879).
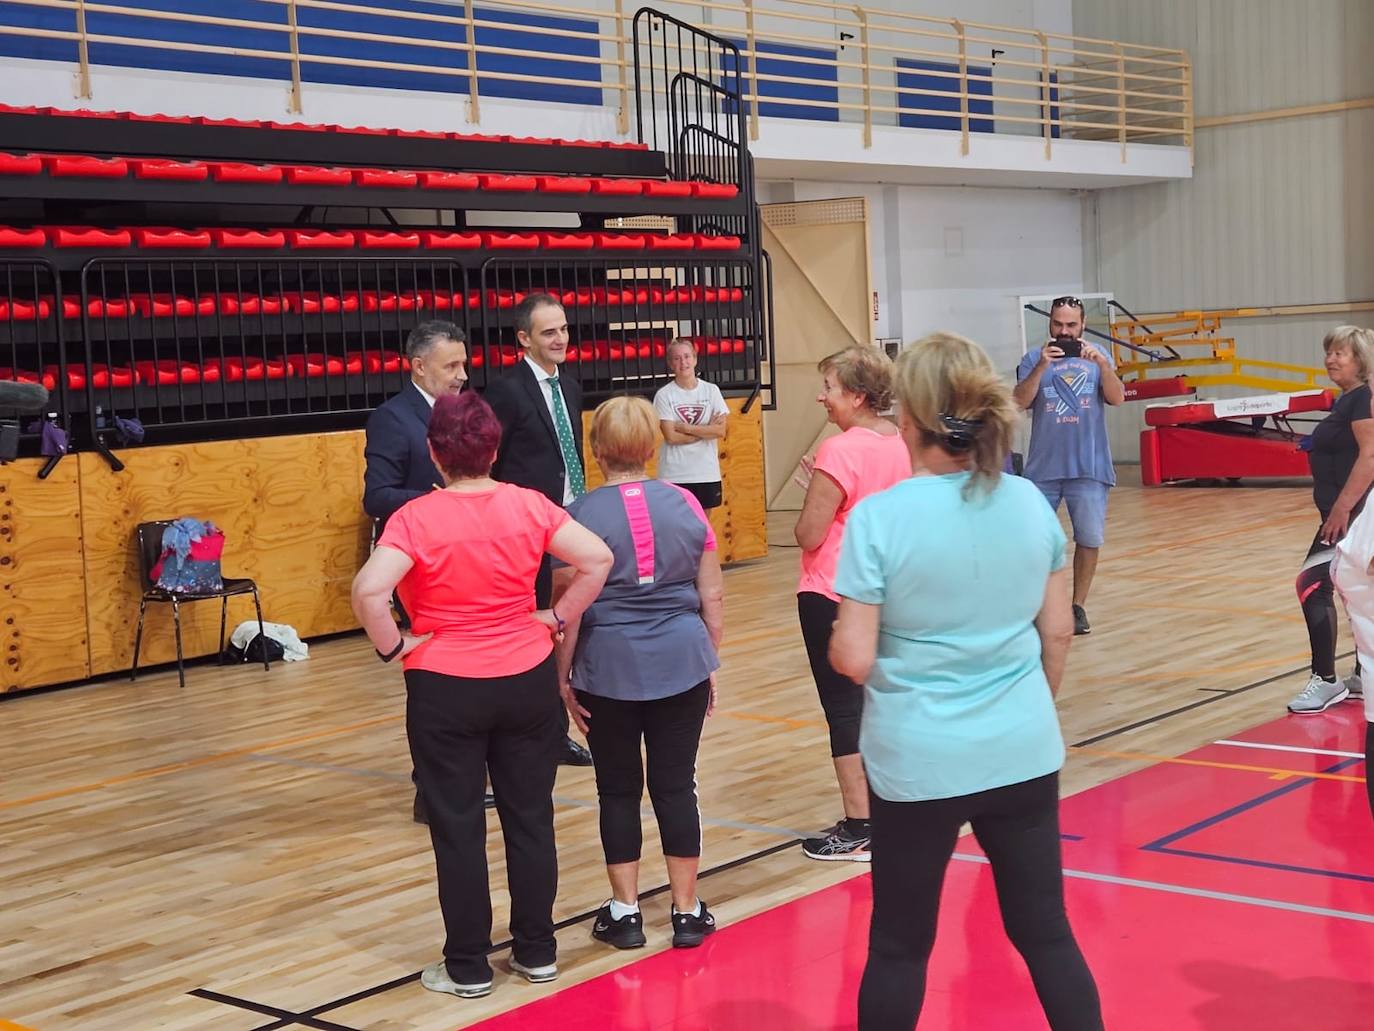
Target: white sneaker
(435, 978)
(535, 975)
(1318, 696)
(1354, 686)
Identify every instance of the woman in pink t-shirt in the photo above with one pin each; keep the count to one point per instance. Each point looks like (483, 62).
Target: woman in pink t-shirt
(867, 457)
(481, 684)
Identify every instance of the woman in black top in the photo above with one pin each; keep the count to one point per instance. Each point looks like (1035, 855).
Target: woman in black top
(1342, 461)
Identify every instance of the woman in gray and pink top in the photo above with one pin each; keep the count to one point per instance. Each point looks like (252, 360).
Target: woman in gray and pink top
(640, 666)
(867, 457)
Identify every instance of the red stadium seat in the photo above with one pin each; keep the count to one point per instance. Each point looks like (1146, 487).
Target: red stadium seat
(248, 239)
(450, 240)
(564, 184)
(627, 146)
(584, 296)
(235, 368)
(672, 242)
(238, 172)
(314, 365)
(438, 300)
(19, 309)
(654, 188)
(87, 236)
(160, 306)
(319, 239)
(702, 242)
(15, 238)
(422, 134)
(618, 187)
(511, 241)
(20, 164)
(230, 123)
(508, 183)
(85, 167)
(19, 375)
(477, 138)
(310, 175)
(385, 240)
(354, 300)
(184, 239)
(715, 191)
(535, 141)
(298, 126)
(168, 372)
(179, 171)
(638, 295)
(82, 112)
(105, 308)
(169, 119)
(380, 361)
(448, 181)
(312, 303)
(250, 304)
(362, 130)
(382, 177)
(566, 241)
(619, 241)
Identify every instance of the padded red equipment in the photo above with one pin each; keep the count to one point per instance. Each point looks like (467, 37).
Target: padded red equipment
(87, 236)
(238, 172)
(248, 239)
(20, 164)
(448, 181)
(178, 171)
(383, 177)
(76, 166)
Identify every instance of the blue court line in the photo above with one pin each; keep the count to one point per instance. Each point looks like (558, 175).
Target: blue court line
(1162, 846)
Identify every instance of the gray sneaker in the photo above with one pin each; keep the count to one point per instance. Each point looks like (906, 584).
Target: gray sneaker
(435, 978)
(1318, 696)
(1354, 686)
(535, 975)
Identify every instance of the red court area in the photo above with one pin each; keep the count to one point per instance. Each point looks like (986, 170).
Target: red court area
(1230, 889)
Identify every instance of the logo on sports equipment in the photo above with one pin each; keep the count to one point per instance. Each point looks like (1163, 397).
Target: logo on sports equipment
(691, 414)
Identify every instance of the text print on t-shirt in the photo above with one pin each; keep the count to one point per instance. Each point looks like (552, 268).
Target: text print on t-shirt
(1068, 393)
(691, 414)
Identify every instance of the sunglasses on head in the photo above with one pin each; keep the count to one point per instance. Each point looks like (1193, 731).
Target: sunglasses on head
(1066, 302)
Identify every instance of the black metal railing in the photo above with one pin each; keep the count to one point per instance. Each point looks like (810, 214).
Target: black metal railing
(33, 349)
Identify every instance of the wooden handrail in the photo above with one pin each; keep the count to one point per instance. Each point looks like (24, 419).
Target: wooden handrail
(1129, 91)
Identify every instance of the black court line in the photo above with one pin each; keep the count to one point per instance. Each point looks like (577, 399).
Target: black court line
(1161, 717)
(286, 1018)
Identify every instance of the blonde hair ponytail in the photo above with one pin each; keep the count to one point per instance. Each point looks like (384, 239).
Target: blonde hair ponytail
(948, 387)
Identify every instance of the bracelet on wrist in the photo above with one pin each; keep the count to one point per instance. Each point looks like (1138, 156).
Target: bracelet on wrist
(388, 656)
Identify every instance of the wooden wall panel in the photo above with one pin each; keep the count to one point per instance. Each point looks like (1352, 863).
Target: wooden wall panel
(740, 522)
(42, 607)
(291, 510)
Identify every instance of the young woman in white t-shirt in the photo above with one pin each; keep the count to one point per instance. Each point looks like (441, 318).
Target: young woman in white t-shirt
(692, 415)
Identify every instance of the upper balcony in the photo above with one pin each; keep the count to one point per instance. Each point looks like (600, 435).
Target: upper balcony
(832, 91)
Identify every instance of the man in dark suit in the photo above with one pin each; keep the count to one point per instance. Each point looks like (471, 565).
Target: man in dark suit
(541, 429)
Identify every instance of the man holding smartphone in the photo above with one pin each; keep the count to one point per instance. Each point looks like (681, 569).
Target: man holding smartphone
(1066, 385)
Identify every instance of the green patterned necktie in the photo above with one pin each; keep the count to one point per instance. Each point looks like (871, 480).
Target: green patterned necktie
(572, 461)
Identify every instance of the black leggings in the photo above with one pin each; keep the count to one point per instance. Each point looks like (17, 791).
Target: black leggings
(1018, 827)
(671, 730)
(841, 698)
(1319, 606)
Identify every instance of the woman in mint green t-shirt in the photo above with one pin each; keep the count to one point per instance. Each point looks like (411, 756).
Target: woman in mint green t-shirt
(959, 632)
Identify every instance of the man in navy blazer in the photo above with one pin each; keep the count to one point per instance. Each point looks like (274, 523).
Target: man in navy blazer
(541, 430)
(399, 468)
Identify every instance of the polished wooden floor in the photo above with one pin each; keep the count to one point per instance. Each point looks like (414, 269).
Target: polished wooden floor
(248, 838)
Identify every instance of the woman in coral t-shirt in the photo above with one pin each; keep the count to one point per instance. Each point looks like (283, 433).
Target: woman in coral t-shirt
(481, 685)
(867, 457)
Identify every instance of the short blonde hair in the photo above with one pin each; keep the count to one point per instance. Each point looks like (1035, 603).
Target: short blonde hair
(1358, 341)
(686, 342)
(948, 387)
(865, 371)
(624, 434)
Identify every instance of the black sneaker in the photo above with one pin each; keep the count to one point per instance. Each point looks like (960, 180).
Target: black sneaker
(625, 933)
(1081, 625)
(847, 841)
(690, 930)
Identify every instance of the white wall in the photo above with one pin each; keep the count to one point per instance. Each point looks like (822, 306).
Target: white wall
(957, 258)
(1277, 212)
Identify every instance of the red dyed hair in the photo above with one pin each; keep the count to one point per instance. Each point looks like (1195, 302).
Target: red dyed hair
(465, 434)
